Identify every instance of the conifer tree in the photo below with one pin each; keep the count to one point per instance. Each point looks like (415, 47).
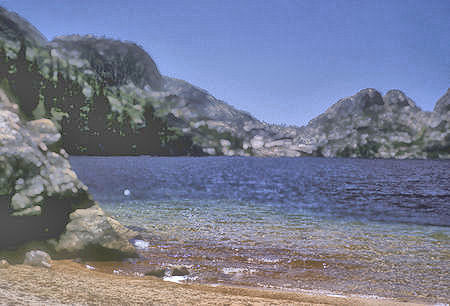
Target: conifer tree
(4, 65)
(99, 110)
(49, 91)
(26, 81)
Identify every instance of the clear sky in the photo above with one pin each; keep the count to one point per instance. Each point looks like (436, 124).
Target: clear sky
(283, 61)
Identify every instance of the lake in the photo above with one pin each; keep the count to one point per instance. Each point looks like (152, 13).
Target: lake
(344, 226)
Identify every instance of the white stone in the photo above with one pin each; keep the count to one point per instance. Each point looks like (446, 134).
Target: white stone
(38, 258)
(20, 201)
(257, 142)
(31, 211)
(225, 143)
(209, 151)
(4, 264)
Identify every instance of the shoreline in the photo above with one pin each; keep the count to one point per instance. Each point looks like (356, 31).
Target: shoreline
(68, 282)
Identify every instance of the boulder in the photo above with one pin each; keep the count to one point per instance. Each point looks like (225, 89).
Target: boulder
(91, 227)
(257, 142)
(41, 197)
(4, 264)
(38, 259)
(44, 131)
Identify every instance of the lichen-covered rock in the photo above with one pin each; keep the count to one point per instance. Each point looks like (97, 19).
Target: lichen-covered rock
(43, 130)
(38, 258)
(41, 197)
(28, 173)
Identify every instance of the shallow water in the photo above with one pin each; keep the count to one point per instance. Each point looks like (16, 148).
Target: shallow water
(373, 227)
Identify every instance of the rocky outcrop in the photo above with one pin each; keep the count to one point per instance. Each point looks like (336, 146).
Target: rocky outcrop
(369, 125)
(442, 106)
(41, 198)
(116, 62)
(14, 28)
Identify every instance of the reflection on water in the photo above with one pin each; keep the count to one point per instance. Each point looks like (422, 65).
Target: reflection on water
(376, 227)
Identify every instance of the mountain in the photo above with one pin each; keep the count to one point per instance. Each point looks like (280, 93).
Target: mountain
(390, 126)
(14, 27)
(125, 106)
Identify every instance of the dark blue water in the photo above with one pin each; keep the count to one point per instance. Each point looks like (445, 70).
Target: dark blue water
(414, 191)
(350, 225)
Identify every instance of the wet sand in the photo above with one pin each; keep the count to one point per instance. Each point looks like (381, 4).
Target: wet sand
(68, 282)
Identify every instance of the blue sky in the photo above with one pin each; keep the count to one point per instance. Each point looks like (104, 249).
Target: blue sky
(283, 61)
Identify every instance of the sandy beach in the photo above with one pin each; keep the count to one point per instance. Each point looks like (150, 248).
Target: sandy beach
(71, 283)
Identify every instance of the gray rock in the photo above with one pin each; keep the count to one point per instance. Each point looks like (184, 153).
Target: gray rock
(32, 178)
(20, 201)
(91, 226)
(225, 143)
(114, 54)
(179, 271)
(443, 104)
(395, 97)
(44, 131)
(209, 151)
(21, 28)
(4, 264)
(38, 259)
(257, 142)
(30, 211)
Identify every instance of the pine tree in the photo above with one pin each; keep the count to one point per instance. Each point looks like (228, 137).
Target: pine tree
(4, 65)
(49, 92)
(26, 81)
(99, 110)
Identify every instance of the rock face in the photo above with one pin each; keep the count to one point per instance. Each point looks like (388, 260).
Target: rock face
(369, 125)
(41, 197)
(38, 258)
(118, 63)
(14, 27)
(443, 104)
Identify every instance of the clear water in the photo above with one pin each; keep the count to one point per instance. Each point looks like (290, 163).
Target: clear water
(353, 226)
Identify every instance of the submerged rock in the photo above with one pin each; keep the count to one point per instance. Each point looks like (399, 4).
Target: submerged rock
(38, 259)
(157, 273)
(180, 271)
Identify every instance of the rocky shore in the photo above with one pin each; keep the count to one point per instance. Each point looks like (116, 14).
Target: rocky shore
(41, 199)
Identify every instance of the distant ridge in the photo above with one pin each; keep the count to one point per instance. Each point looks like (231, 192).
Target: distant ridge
(366, 124)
